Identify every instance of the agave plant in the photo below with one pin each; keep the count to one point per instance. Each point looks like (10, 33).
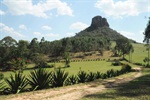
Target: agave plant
(16, 84)
(39, 79)
(82, 77)
(110, 73)
(98, 75)
(59, 77)
(71, 80)
(104, 75)
(91, 77)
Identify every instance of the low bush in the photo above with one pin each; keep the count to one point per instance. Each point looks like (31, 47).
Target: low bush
(125, 68)
(98, 75)
(103, 75)
(116, 63)
(82, 77)
(44, 65)
(71, 80)
(58, 78)
(139, 64)
(15, 84)
(110, 73)
(39, 79)
(91, 77)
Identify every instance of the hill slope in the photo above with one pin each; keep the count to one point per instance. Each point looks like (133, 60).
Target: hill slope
(100, 28)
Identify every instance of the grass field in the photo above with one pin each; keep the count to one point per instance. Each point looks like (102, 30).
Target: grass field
(88, 66)
(138, 89)
(139, 53)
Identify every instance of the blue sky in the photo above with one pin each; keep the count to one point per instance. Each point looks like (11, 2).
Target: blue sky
(56, 19)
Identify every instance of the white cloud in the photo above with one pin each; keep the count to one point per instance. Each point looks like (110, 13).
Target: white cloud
(9, 31)
(23, 27)
(70, 34)
(40, 9)
(45, 35)
(127, 34)
(78, 26)
(123, 8)
(2, 12)
(37, 33)
(137, 36)
(46, 28)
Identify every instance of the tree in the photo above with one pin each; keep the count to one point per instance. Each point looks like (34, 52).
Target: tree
(8, 47)
(147, 40)
(123, 46)
(34, 46)
(23, 48)
(131, 50)
(67, 59)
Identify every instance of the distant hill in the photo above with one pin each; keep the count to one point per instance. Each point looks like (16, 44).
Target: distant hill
(100, 28)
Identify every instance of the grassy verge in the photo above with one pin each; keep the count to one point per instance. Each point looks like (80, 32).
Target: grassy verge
(138, 89)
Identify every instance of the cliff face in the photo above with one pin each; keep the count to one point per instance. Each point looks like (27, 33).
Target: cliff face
(98, 21)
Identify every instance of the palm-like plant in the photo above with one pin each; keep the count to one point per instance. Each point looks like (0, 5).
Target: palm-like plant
(59, 77)
(82, 77)
(91, 76)
(71, 80)
(39, 79)
(98, 75)
(16, 84)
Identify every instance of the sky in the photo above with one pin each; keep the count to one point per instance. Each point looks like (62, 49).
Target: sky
(56, 19)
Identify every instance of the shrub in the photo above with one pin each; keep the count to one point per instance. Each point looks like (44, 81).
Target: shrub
(104, 76)
(39, 79)
(125, 68)
(98, 75)
(2, 87)
(116, 63)
(82, 77)
(67, 66)
(44, 65)
(58, 78)
(140, 64)
(117, 73)
(110, 73)
(71, 80)
(91, 77)
(15, 84)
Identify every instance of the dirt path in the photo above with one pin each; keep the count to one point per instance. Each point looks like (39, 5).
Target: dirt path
(75, 92)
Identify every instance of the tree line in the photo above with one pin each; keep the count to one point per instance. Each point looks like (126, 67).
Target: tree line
(18, 53)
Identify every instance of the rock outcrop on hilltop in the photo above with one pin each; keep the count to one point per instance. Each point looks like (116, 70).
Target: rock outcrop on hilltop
(100, 28)
(98, 21)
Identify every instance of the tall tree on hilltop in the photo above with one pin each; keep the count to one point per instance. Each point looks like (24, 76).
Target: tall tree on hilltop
(147, 40)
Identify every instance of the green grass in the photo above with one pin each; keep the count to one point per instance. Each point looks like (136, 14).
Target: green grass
(138, 89)
(139, 53)
(88, 66)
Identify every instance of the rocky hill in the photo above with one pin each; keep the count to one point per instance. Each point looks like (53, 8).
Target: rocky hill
(100, 28)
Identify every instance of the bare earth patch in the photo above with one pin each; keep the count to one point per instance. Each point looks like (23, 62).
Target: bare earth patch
(75, 92)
